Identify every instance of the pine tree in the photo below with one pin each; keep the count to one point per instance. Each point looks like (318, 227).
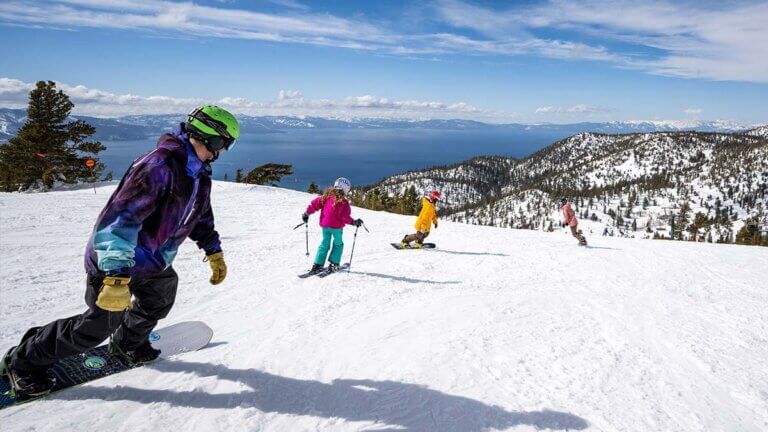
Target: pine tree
(48, 148)
(226, 176)
(411, 201)
(239, 176)
(750, 234)
(314, 189)
(269, 173)
(682, 220)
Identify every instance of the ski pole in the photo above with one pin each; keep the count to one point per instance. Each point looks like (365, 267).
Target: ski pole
(306, 232)
(352, 254)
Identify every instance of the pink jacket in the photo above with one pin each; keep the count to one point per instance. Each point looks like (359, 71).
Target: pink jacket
(331, 216)
(569, 216)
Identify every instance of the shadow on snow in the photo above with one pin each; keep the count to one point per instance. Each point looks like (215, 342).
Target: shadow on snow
(405, 279)
(400, 406)
(465, 253)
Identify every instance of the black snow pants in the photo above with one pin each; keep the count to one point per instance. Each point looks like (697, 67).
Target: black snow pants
(153, 298)
(419, 237)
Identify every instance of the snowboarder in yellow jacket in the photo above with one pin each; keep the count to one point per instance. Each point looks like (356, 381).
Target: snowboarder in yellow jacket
(427, 217)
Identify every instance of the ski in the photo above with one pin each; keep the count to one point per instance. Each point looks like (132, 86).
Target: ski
(326, 271)
(310, 273)
(322, 272)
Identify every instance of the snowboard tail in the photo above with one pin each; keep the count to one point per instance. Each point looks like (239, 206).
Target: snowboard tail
(98, 362)
(424, 246)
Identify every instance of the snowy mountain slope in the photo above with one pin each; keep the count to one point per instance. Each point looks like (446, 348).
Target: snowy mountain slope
(495, 330)
(10, 121)
(460, 184)
(632, 184)
(761, 131)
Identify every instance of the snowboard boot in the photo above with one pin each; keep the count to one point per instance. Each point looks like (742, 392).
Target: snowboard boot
(143, 354)
(582, 241)
(418, 245)
(316, 268)
(25, 384)
(404, 243)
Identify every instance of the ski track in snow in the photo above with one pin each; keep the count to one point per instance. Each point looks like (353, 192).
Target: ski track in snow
(496, 329)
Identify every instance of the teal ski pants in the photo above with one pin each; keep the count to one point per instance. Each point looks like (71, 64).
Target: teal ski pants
(330, 235)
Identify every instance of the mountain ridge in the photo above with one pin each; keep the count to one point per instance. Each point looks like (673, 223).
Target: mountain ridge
(134, 127)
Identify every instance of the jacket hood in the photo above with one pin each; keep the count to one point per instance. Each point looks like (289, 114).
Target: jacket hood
(178, 143)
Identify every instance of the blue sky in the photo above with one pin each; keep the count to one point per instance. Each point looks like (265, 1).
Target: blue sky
(557, 61)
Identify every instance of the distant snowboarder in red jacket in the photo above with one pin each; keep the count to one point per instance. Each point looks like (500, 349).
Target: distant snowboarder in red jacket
(569, 218)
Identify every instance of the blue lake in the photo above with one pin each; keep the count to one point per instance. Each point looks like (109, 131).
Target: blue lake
(364, 156)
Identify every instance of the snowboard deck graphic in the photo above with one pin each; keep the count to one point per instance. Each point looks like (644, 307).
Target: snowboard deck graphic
(424, 246)
(98, 362)
(324, 272)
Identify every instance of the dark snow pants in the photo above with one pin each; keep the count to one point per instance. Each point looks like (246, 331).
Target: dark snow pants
(577, 234)
(418, 237)
(153, 298)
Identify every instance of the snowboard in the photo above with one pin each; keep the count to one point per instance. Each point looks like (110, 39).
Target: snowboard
(98, 362)
(324, 272)
(424, 246)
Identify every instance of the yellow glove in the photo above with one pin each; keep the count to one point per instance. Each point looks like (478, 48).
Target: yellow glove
(115, 295)
(218, 268)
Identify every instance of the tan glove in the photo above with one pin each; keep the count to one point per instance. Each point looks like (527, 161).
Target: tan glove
(115, 296)
(218, 268)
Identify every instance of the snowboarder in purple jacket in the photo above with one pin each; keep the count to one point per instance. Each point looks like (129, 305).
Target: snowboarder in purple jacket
(163, 198)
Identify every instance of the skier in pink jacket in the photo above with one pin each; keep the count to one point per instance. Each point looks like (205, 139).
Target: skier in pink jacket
(569, 218)
(334, 215)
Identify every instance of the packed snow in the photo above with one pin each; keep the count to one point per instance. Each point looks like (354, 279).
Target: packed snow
(496, 329)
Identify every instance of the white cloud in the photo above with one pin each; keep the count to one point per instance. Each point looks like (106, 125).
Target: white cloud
(88, 101)
(14, 93)
(289, 94)
(581, 109)
(684, 39)
(727, 41)
(169, 17)
(692, 111)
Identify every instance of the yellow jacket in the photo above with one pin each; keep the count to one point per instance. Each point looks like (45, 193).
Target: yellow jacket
(427, 216)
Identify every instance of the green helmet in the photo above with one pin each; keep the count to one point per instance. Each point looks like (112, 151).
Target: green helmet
(216, 127)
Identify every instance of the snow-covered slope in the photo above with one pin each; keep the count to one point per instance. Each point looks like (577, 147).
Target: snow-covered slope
(761, 131)
(631, 184)
(494, 330)
(464, 183)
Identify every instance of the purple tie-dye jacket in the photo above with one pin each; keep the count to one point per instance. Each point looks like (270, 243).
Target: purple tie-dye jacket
(163, 198)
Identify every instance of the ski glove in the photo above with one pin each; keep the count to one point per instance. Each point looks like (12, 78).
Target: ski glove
(305, 217)
(115, 295)
(357, 222)
(218, 268)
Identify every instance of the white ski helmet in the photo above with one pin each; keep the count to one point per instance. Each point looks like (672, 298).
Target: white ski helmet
(343, 184)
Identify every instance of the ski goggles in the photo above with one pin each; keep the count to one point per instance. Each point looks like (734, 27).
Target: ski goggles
(214, 143)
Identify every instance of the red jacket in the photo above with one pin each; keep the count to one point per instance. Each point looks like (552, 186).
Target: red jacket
(569, 216)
